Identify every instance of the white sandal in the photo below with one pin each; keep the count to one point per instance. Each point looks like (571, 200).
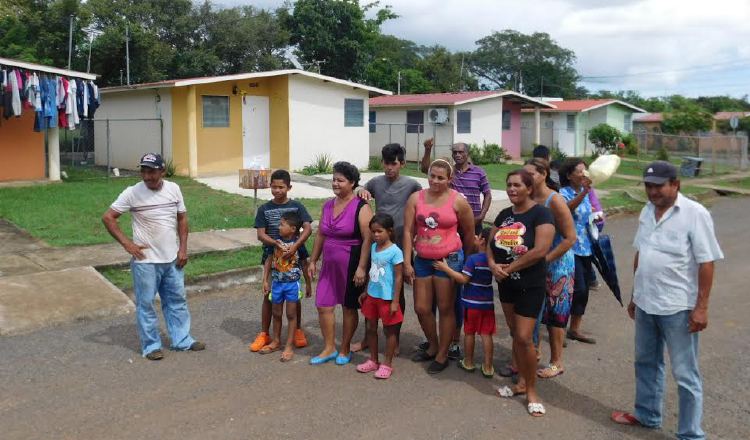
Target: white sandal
(536, 409)
(505, 391)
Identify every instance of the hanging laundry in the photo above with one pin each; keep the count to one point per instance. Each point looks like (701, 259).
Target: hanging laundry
(93, 98)
(62, 114)
(15, 95)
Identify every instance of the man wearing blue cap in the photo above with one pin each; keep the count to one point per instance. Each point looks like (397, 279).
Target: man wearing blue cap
(159, 250)
(674, 265)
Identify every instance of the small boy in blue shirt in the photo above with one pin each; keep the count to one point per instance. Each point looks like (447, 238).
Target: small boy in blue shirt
(281, 281)
(477, 299)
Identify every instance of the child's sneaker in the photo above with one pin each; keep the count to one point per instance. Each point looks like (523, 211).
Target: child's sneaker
(300, 340)
(454, 352)
(260, 341)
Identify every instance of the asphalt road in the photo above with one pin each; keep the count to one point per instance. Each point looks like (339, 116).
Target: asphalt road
(86, 380)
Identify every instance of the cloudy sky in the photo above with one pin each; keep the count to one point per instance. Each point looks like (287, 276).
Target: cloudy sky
(656, 47)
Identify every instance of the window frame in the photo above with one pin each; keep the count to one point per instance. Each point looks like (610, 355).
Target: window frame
(507, 121)
(568, 118)
(214, 123)
(372, 120)
(627, 122)
(415, 127)
(463, 127)
(354, 117)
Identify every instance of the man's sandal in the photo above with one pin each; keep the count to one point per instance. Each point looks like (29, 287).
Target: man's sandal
(624, 418)
(267, 349)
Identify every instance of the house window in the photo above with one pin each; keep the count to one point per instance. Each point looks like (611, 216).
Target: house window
(415, 121)
(354, 112)
(571, 120)
(525, 124)
(215, 111)
(463, 121)
(627, 124)
(506, 119)
(373, 119)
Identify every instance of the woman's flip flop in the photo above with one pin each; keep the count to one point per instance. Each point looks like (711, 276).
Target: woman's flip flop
(535, 409)
(506, 391)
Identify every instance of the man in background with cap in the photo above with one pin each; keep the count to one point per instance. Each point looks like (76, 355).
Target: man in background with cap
(674, 265)
(159, 250)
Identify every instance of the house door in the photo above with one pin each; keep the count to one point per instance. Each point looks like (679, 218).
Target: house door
(256, 132)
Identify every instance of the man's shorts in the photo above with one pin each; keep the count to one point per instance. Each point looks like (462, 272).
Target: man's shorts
(376, 308)
(423, 267)
(480, 321)
(285, 292)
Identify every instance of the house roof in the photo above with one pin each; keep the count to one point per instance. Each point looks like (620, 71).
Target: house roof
(454, 98)
(239, 77)
(649, 117)
(725, 116)
(585, 105)
(41, 68)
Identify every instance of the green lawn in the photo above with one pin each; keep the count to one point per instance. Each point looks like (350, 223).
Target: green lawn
(69, 213)
(198, 265)
(741, 183)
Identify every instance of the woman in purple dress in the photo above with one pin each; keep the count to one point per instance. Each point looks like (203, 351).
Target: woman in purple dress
(343, 245)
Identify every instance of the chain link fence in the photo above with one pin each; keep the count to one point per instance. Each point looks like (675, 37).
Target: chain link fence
(111, 143)
(411, 137)
(719, 153)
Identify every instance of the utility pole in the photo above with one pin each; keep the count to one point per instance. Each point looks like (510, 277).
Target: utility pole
(127, 53)
(541, 88)
(398, 92)
(70, 40)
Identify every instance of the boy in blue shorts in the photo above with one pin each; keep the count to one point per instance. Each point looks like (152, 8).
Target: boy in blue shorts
(477, 301)
(281, 275)
(267, 222)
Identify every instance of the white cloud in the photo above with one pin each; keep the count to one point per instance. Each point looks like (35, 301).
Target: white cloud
(615, 37)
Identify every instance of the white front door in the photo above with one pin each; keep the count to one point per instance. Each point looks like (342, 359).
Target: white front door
(256, 132)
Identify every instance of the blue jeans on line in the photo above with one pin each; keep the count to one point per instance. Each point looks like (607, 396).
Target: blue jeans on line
(652, 333)
(169, 281)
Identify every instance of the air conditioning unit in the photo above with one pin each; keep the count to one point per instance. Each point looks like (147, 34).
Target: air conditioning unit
(438, 115)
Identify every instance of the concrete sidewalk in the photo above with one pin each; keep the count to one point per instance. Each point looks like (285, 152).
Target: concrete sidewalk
(42, 286)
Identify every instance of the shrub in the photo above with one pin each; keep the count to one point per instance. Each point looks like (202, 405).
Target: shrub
(605, 138)
(322, 164)
(662, 154)
(375, 164)
(170, 169)
(475, 155)
(631, 144)
(557, 154)
(488, 154)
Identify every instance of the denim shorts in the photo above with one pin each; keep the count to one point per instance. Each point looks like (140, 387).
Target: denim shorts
(423, 267)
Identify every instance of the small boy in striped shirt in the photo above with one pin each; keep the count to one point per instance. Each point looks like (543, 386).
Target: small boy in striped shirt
(478, 303)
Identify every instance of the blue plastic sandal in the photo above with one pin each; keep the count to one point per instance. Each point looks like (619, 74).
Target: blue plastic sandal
(343, 360)
(317, 360)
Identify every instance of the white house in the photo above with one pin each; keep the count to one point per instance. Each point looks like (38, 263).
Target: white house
(492, 117)
(217, 125)
(566, 126)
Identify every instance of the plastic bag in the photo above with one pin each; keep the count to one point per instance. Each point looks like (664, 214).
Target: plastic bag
(603, 168)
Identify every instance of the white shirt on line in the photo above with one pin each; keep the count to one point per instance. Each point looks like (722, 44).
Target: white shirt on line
(154, 219)
(669, 252)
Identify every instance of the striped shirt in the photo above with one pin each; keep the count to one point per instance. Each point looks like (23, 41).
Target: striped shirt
(472, 183)
(477, 293)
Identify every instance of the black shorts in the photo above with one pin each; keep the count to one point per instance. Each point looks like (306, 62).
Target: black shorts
(527, 301)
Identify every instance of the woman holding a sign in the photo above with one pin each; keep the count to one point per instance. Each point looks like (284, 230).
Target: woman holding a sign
(521, 237)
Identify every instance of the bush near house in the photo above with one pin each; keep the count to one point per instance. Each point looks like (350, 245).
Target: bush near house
(605, 139)
(322, 164)
(488, 154)
(631, 144)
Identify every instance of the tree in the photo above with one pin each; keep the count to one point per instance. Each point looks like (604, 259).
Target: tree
(445, 71)
(533, 64)
(687, 119)
(605, 138)
(334, 35)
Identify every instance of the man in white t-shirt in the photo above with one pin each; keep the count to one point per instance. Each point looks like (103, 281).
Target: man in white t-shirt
(676, 248)
(159, 250)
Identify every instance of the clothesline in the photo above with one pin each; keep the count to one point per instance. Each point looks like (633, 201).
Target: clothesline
(57, 100)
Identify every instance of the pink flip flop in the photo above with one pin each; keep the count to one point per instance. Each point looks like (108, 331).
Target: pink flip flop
(384, 372)
(368, 366)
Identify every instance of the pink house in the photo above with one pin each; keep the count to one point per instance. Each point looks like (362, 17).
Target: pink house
(491, 116)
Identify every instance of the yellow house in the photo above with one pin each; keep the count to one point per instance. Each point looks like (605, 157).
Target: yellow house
(217, 125)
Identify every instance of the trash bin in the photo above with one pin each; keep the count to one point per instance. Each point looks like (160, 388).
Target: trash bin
(691, 166)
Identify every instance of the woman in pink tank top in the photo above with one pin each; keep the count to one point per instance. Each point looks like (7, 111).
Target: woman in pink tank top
(433, 219)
